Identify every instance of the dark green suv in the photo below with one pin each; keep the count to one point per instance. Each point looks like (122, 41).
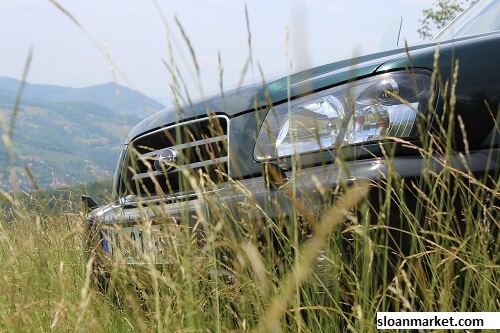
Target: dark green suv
(260, 151)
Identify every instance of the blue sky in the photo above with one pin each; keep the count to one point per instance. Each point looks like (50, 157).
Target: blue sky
(126, 40)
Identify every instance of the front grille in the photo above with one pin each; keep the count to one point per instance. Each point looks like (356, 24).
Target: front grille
(201, 160)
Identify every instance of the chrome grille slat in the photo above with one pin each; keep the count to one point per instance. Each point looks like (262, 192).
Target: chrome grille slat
(189, 145)
(184, 167)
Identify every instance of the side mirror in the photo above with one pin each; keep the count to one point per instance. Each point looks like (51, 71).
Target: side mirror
(89, 203)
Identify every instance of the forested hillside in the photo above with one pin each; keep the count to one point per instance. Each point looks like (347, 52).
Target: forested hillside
(64, 135)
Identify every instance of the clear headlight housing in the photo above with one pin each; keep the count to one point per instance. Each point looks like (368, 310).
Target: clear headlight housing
(366, 110)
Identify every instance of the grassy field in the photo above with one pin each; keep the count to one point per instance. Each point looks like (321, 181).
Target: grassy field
(305, 282)
(327, 272)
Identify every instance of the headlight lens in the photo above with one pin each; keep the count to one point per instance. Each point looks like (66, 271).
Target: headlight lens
(366, 110)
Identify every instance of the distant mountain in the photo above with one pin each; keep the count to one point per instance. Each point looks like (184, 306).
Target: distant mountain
(118, 98)
(66, 135)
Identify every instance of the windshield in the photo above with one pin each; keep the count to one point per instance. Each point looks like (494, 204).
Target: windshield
(482, 17)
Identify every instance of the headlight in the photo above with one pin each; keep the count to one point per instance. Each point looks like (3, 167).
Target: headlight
(365, 110)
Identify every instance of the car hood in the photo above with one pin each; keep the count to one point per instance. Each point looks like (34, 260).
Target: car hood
(261, 95)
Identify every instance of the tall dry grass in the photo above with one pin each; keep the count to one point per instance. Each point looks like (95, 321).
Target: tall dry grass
(328, 272)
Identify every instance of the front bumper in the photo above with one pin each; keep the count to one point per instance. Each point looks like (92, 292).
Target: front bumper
(251, 198)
